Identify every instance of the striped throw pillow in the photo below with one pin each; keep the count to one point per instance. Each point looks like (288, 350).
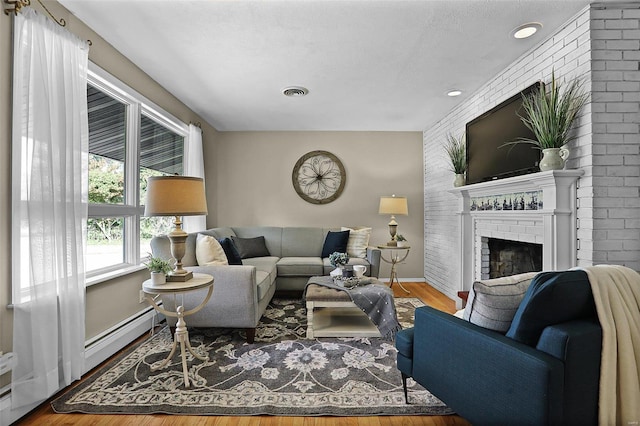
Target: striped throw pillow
(358, 241)
(493, 303)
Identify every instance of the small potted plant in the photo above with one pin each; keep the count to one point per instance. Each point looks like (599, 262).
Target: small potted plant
(457, 151)
(550, 116)
(159, 269)
(402, 241)
(338, 260)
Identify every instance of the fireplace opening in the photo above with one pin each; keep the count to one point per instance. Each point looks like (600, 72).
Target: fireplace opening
(508, 257)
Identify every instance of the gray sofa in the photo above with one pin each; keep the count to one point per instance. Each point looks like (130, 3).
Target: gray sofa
(242, 292)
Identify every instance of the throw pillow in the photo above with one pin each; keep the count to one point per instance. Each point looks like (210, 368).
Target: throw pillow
(230, 251)
(493, 303)
(251, 247)
(209, 251)
(335, 241)
(552, 298)
(358, 241)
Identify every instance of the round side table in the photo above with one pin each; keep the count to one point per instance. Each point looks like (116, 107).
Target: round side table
(396, 255)
(198, 282)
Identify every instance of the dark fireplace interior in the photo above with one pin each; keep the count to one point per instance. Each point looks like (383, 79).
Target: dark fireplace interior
(513, 257)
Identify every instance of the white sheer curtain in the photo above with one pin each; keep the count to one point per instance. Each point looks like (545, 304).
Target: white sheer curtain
(194, 166)
(49, 202)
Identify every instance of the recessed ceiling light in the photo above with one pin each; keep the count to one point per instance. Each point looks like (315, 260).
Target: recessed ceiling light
(454, 92)
(526, 30)
(295, 91)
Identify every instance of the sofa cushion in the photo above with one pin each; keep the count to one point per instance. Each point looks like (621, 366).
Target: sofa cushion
(251, 247)
(209, 251)
(302, 241)
(300, 266)
(552, 298)
(358, 241)
(264, 264)
(493, 303)
(335, 241)
(230, 251)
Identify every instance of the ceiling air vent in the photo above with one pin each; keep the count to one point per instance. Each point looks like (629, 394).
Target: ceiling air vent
(295, 91)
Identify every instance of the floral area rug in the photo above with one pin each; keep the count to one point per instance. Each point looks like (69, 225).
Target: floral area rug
(282, 374)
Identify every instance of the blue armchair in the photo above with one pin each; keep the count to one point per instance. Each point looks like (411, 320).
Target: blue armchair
(544, 371)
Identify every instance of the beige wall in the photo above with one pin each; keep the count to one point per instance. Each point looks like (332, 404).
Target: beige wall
(110, 302)
(253, 183)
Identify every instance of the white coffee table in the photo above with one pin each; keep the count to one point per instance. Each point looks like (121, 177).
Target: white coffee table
(332, 313)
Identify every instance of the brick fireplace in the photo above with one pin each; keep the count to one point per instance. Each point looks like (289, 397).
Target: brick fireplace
(538, 209)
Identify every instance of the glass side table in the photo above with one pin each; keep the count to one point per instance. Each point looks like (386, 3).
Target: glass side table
(199, 281)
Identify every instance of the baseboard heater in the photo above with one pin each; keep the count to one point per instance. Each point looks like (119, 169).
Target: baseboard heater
(97, 350)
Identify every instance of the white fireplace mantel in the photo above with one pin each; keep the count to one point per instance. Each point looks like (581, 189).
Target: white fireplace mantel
(553, 224)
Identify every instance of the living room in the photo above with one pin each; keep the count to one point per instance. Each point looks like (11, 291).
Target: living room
(244, 189)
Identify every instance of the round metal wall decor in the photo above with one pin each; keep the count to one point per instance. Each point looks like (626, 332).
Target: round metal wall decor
(318, 177)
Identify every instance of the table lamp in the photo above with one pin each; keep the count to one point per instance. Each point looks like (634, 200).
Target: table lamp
(393, 205)
(176, 196)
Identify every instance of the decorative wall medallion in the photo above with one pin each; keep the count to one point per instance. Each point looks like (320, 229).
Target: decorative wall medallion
(318, 177)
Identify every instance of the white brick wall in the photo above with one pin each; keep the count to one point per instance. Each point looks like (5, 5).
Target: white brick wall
(613, 234)
(601, 45)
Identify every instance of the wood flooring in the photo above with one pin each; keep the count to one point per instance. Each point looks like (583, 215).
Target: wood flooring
(44, 414)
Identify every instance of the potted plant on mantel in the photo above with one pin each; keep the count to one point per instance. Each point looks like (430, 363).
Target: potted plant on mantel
(550, 116)
(159, 269)
(456, 150)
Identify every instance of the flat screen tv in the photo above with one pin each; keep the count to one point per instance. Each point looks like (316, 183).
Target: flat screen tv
(486, 159)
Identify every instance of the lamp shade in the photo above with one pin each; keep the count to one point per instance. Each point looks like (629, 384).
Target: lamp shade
(175, 196)
(393, 205)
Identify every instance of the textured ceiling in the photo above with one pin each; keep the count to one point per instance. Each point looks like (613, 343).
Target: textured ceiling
(368, 65)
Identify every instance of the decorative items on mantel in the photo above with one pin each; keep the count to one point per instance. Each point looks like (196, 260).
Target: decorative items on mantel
(550, 116)
(531, 200)
(457, 152)
(553, 224)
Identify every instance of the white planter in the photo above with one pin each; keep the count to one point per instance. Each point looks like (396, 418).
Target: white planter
(553, 159)
(158, 278)
(403, 243)
(459, 180)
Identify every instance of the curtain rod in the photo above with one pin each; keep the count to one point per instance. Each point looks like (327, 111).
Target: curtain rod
(14, 6)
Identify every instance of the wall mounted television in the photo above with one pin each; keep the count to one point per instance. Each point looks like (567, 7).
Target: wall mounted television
(486, 159)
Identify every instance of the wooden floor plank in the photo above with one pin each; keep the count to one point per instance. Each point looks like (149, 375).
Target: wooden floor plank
(44, 414)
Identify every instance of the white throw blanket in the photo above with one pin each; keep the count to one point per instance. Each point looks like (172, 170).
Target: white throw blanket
(616, 291)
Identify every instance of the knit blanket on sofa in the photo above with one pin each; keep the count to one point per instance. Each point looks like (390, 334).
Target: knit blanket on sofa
(616, 291)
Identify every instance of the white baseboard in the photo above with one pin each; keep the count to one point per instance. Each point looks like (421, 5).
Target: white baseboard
(405, 280)
(108, 343)
(97, 350)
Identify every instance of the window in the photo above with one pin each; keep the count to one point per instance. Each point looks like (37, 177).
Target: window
(130, 139)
